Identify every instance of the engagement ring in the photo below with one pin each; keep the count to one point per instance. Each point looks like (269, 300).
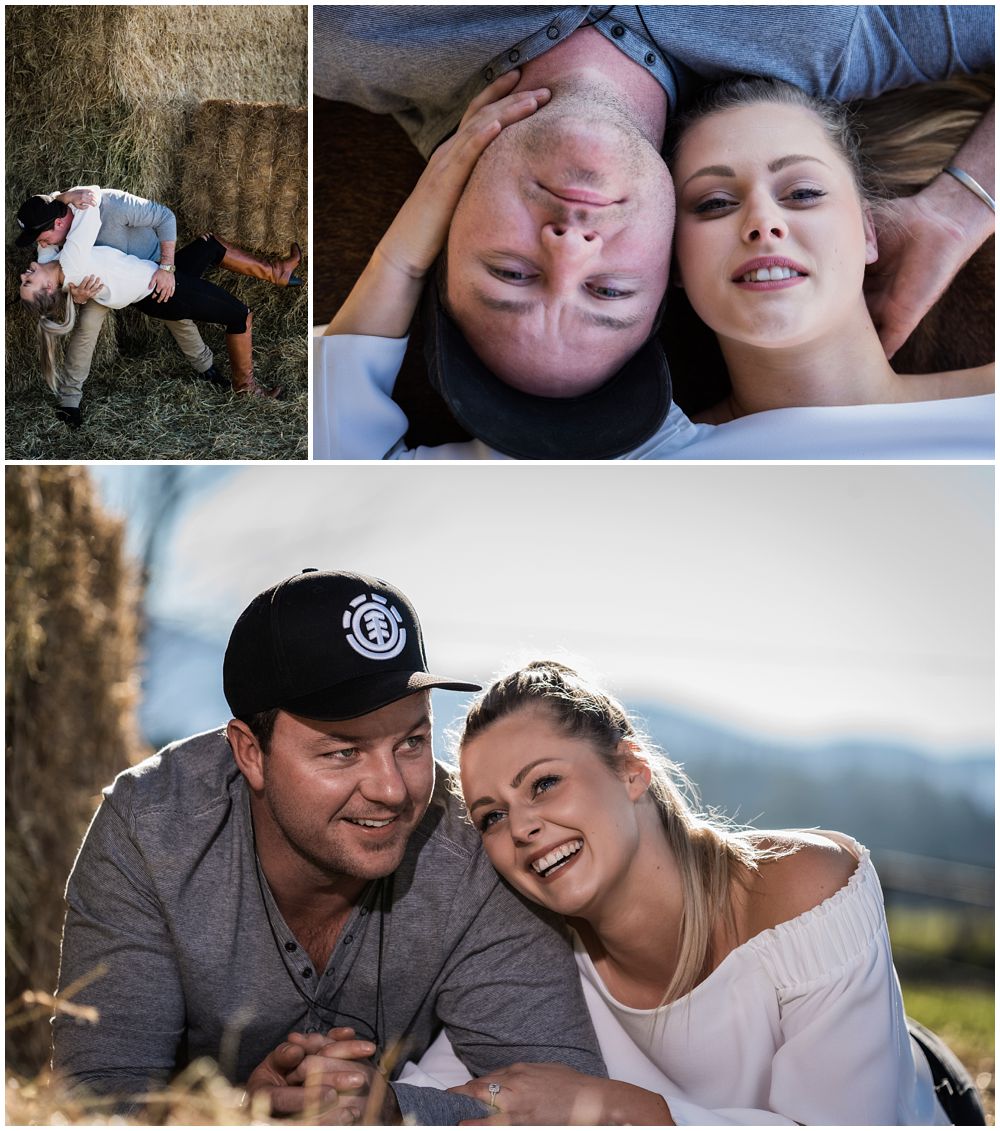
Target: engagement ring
(494, 1090)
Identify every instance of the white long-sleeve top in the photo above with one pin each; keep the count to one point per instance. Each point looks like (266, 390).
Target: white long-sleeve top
(126, 278)
(803, 1023)
(355, 417)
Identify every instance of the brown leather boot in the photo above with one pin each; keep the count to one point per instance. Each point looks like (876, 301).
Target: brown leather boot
(281, 272)
(240, 348)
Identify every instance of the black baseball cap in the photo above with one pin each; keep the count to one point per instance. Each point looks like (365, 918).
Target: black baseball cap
(607, 422)
(36, 215)
(327, 645)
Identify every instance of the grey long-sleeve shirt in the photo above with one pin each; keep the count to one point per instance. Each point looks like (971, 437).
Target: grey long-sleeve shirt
(166, 891)
(131, 224)
(424, 64)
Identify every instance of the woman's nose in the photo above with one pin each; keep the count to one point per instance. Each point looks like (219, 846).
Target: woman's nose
(524, 826)
(764, 222)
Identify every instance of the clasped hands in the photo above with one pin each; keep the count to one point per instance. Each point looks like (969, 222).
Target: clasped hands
(330, 1077)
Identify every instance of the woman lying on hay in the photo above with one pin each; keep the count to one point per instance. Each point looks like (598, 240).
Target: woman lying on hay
(171, 293)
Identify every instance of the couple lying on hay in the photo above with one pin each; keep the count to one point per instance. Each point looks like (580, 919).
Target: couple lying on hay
(104, 249)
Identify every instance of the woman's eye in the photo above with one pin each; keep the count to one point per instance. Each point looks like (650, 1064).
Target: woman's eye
(542, 785)
(489, 820)
(713, 204)
(805, 195)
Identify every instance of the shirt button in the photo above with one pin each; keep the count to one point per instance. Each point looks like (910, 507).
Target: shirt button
(489, 74)
(552, 32)
(514, 56)
(650, 58)
(291, 947)
(348, 939)
(618, 31)
(307, 973)
(363, 911)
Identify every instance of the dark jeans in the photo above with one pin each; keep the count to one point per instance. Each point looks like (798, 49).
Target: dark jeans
(195, 298)
(955, 1088)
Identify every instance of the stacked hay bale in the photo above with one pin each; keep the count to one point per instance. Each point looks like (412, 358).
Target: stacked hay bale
(112, 95)
(71, 692)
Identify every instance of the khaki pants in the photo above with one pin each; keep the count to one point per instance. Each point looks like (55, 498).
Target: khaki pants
(83, 341)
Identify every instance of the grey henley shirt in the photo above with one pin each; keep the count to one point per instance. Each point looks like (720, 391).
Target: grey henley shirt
(167, 893)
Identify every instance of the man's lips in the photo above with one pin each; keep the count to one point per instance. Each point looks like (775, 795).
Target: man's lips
(768, 269)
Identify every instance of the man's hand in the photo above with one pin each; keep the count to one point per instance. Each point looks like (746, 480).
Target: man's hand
(85, 290)
(325, 1076)
(419, 231)
(164, 285)
(79, 198)
(920, 251)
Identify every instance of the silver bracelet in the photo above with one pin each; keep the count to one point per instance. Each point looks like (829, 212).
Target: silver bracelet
(972, 185)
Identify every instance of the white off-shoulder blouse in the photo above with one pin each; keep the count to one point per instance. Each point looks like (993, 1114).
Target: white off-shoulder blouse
(803, 1023)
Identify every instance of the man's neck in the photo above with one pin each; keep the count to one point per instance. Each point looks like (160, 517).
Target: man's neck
(587, 53)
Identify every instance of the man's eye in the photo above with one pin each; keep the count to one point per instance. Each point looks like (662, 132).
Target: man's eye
(604, 291)
(510, 276)
(415, 742)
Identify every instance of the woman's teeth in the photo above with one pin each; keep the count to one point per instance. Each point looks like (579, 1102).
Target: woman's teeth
(557, 857)
(769, 274)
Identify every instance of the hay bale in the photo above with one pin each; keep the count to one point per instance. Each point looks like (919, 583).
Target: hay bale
(71, 693)
(244, 177)
(106, 94)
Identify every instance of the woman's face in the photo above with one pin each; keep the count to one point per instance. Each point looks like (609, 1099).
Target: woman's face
(556, 822)
(772, 238)
(36, 279)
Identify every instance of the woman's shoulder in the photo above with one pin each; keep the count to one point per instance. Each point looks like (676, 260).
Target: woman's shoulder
(801, 871)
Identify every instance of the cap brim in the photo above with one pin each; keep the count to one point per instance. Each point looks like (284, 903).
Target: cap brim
(26, 239)
(356, 697)
(608, 422)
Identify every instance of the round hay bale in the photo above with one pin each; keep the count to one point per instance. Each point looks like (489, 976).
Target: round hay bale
(71, 693)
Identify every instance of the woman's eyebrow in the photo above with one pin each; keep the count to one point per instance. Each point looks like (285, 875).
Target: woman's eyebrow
(774, 166)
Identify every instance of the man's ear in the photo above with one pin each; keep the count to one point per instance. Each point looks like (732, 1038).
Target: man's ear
(247, 753)
(871, 239)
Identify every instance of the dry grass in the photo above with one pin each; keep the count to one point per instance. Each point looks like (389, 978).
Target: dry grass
(71, 690)
(114, 99)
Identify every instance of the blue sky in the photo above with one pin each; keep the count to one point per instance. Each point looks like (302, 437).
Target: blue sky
(788, 599)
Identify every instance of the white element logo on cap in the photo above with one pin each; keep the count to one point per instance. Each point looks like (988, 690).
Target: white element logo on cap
(374, 627)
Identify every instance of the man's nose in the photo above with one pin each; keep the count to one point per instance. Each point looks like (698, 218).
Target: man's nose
(571, 238)
(383, 782)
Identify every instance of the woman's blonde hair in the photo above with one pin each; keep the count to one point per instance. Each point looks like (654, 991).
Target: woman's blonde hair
(709, 851)
(56, 313)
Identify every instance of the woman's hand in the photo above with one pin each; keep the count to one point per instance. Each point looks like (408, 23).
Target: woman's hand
(79, 198)
(418, 233)
(85, 290)
(551, 1094)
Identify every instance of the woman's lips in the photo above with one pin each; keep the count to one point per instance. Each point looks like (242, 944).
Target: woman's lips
(769, 273)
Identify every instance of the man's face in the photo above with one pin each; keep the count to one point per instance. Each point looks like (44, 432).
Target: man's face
(345, 796)
(559, 250)
(56, 235)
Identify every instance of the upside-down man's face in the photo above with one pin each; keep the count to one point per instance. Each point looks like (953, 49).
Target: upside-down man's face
(559, 250)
